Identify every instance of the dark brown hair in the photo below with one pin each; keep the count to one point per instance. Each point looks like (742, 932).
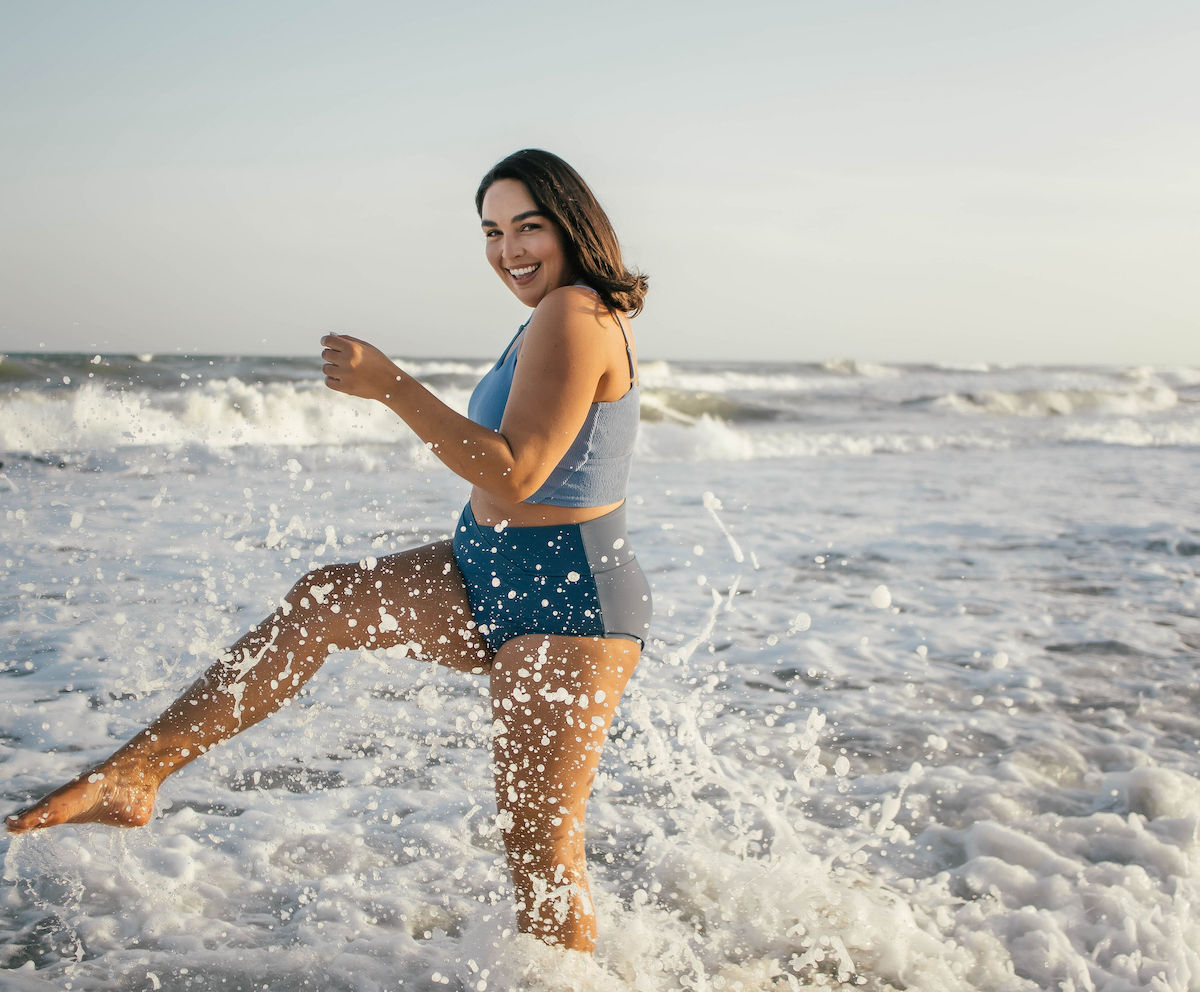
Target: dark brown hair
(592, 247)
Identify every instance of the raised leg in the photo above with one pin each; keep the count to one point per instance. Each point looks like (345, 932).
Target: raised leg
(553, 699)
(414, 596)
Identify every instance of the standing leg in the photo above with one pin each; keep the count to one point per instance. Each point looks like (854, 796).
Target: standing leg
(553, 699)
(414, 596)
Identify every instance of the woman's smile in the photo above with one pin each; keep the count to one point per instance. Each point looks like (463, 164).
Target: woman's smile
(522, 274)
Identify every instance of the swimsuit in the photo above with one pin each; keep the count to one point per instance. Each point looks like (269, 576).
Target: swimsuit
(581, 580)
(595, 469)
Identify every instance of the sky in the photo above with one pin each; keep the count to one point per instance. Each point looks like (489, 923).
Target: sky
(958, 182)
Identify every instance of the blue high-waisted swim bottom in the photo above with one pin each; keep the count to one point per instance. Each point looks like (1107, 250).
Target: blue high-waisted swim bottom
(581, 580)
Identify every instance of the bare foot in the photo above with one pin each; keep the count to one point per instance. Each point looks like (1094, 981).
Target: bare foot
(118, 797)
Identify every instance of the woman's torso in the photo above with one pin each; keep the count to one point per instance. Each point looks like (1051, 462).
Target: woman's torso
(616, 382)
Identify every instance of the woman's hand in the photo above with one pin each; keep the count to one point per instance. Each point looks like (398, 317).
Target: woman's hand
(358, 368)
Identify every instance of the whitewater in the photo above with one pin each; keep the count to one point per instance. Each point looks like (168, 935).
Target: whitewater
(919, 709)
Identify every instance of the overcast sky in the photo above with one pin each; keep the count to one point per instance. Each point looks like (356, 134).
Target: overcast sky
(887, 181)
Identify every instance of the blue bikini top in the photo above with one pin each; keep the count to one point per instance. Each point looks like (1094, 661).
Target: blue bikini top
(595, 469)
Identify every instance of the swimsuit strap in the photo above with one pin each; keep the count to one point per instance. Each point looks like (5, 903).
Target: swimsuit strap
(505, 353)
(628, 348)
(617, 318)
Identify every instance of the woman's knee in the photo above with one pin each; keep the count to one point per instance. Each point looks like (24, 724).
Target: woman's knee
(326, 588)
(541, 835)
(323, 607)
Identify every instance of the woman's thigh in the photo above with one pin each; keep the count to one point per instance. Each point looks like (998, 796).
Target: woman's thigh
(412, 597)
(553, 700)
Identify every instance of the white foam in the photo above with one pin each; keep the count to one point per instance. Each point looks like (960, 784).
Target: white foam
(689, 414)
(219, 415)
(992, 783)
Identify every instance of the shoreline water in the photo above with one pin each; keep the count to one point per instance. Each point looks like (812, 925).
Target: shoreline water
(918, 709)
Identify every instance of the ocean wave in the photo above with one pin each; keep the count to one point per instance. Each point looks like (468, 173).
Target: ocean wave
(52, 406)
(157, 372)
(866, 370)
(1179, 376)
(722, 380)
(1131, 433)
(218, 415)
(710, 438)
(684, 407)
(978, 367)
(1149, 398)
(80, 426)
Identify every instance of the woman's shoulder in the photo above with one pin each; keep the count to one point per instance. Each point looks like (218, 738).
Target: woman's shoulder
(573, 308)
(572, 328)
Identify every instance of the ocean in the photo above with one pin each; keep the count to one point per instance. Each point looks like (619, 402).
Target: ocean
(919, 710)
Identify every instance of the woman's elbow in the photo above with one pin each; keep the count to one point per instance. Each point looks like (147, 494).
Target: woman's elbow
(516, 475)
(516, 486)
(519, 492)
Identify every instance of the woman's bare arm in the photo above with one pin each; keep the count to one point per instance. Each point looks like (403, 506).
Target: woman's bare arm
(563, 360)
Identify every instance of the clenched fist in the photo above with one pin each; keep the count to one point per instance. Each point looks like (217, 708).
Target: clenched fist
(358, 368)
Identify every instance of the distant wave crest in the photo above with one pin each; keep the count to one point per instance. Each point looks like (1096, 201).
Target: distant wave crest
(1065, 402)
(55, 405)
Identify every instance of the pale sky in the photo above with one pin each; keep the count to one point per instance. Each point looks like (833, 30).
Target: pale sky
(920, 181)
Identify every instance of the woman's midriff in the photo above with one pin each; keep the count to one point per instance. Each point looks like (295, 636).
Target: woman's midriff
(490, 511)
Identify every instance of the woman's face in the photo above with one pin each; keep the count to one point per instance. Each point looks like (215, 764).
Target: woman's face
(524, 246)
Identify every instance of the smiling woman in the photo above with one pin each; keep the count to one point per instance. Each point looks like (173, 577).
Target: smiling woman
(539, 588)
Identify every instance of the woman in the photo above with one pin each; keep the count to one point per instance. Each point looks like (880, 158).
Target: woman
(538, 588)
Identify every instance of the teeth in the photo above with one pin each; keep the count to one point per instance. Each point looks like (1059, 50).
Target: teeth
(523, 271)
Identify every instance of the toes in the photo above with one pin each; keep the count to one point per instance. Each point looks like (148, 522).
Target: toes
(50, 811)
(25, 820)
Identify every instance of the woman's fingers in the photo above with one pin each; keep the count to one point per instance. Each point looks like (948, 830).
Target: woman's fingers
(331, 356)
(355, 367)
(339, 349)
(334, 358)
